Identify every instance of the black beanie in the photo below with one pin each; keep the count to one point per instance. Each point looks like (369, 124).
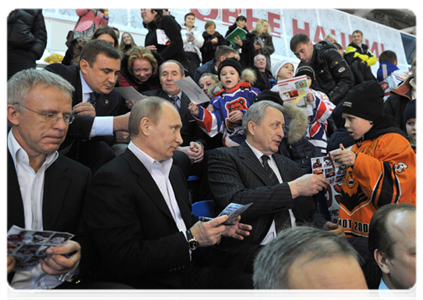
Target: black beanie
(233, 62)
(364, 100)
(410, 110)
(268, 95)
(305, 69)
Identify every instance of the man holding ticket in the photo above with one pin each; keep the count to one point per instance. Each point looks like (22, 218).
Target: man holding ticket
(138, 212)
(381, 164)
(281, 196)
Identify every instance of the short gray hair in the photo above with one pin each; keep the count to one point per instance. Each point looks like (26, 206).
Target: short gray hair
(274, 260)
(150, 107)
(255, 113)
(20, 84)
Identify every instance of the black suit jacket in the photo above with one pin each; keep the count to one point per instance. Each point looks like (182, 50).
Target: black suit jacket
(236, 175)
(65, 183)
(107, 105)
(190, 131)
(129, 221)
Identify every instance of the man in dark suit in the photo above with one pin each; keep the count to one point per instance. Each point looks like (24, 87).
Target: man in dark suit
(99, 110)
(394, 242)
(194, 139)
(44, 189)
(281, 197)
(139, 216)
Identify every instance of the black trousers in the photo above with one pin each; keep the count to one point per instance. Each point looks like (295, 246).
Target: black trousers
(87, 291)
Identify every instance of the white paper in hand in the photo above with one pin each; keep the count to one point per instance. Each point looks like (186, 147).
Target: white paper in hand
(192, 90)
(129, 93)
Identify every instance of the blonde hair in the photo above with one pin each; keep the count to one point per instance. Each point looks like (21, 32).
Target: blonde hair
(259, 27)
(140, 52)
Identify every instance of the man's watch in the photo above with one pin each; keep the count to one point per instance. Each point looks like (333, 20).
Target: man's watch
(192, 242)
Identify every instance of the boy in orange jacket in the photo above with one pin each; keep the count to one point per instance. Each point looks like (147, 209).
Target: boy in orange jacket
(381, 165)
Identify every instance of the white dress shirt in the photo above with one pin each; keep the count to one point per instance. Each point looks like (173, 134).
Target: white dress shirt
(271, 234)
(31, 185)
(102, 126)
(160, 173)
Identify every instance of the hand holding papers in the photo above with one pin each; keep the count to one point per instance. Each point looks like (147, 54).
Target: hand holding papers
(192, 90)
(130, 94)
(238, 32)
(294, 90)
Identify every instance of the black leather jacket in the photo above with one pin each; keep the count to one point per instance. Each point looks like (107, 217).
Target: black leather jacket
(333, 74)
(26, 31)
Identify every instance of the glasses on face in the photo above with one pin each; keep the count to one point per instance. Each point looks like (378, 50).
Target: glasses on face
(51, 118)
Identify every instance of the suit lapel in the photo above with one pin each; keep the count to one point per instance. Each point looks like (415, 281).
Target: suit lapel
(147, 182)
(56, 185)
(282, 170)
(15, 209)
(102, 105)
(251, 161)
(181, 196)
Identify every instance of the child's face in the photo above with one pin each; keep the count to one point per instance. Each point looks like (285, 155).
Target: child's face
(356, 126)
(229, 77)
(309, 82)
(410, 125)
(286, 72)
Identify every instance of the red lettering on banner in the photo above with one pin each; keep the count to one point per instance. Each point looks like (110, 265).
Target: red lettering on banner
(344, 44)
(296, 30)
(211, 16)
(250, 19)
(227, 13)
(375, 49)
(272, 17)
(320, 34)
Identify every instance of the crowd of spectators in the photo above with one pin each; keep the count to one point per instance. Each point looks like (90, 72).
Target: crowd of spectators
(127, 167)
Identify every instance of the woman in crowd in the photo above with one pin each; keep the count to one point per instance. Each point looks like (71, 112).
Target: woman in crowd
(89, 20)
(127, 42)
(193, 40)
(164, 37)
(240, 22)
(105, 33)
(212, 39)
(139, 69)
(258, 41)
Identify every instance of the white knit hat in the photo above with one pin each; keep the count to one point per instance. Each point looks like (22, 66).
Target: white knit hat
(277, 67)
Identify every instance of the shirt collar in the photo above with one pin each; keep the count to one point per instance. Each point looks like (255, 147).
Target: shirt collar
(85, 87)
(257, 152)
(148, 161)
(385, 292)
(20, 155)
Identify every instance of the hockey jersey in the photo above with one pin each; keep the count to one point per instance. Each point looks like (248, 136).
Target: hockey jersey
(213, 122)
(384, 172)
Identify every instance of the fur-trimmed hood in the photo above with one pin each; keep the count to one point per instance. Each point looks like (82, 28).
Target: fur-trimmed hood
(296, 122)
(247, 75)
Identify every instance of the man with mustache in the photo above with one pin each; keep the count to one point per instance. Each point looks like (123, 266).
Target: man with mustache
(281, 197)
(99, 110)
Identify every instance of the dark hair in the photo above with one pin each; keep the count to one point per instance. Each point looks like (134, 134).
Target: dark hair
(189, 14)
(241, 18)
(338, 46)
(357, 31)
(93, 48)
(379, 236)
(105, 29)
(223, 50)
(388, 55)
(299, 38)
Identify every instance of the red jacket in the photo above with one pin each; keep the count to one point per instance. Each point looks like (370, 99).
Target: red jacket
(87, 18)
